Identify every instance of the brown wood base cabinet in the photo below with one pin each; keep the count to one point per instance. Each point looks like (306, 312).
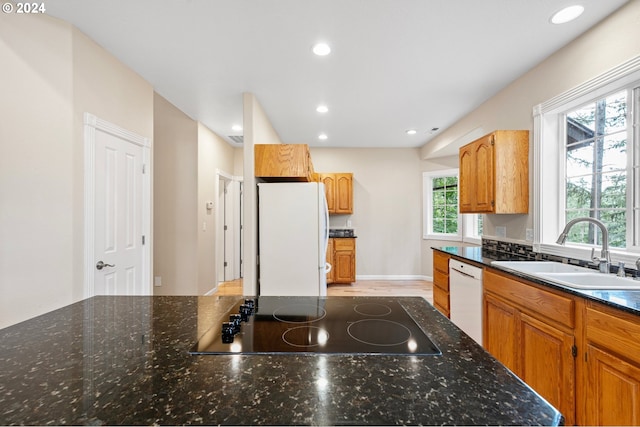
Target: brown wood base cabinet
(580, 355)
(612, 362)
(341, 254)
(531, 331)
(441, 282)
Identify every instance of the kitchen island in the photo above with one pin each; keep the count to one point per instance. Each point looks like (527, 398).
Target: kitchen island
(125, 361)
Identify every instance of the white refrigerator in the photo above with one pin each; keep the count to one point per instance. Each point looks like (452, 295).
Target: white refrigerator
(293, 234)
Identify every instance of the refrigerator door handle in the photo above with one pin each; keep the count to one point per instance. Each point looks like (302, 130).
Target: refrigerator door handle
(323, 255)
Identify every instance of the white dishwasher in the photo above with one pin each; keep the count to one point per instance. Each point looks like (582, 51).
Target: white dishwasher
(465, 293)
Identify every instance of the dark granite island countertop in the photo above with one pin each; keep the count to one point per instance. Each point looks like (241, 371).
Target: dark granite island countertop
(125, 361)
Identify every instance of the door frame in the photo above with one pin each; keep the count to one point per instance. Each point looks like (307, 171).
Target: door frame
(235, 232)
(91, 125)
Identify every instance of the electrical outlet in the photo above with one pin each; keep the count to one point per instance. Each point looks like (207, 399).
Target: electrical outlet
(157, 281)
(529, 235)
(501, 231)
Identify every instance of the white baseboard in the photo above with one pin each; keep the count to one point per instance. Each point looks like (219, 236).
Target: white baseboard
(212, 291)
(395, 277)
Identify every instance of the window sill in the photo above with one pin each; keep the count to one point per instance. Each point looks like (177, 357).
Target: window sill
(454, 238)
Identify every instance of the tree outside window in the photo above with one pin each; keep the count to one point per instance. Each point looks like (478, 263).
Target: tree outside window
(442, 220)
(596, 169)
(445, 205)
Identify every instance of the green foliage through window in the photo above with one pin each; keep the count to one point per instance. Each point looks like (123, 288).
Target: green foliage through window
(596, 169)
(445, 205)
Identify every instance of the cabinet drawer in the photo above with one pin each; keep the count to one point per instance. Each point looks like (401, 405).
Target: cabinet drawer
(615, 330)
(441, 280)
(344, 244)
(440, 262)
(441, 298)
(554, 307)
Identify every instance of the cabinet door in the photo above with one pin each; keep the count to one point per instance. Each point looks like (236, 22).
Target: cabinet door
(500, 331)
(467, 179)
(329, 182)
(613, 391)
(344, 257)
(344, 193)
(547, 364)
(283, 162)
(485, 175)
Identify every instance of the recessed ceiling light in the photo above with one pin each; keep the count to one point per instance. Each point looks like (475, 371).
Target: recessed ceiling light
(411, 132)
(321, 49)
(236, 128)
(322, 109)
(322, 136)
(567, 14)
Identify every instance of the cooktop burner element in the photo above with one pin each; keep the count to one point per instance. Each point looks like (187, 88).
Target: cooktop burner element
(316, 325)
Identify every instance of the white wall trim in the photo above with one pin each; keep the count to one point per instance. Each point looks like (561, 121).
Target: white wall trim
(546, 130)
(91, 124)
(591, 85)
(211, 291)
(394, 277)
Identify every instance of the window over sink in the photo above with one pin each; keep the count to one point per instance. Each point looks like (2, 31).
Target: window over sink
(597, 168)
(441, 216)
(587, 164)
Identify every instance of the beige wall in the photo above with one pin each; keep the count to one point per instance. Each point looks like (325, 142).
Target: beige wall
(605, 46)
(175, 176)
(214, 154)
(187, 157)
(387, 207)
(51, 75)
(257, 130)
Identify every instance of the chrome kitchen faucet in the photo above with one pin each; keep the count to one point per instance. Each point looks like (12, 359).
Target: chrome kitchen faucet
(605, 258)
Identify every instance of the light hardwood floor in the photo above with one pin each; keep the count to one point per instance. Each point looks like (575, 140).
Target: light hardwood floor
(396, 288)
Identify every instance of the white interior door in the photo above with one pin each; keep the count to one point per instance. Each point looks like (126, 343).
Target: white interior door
(118, 211)
(229, 227)
(221, 232)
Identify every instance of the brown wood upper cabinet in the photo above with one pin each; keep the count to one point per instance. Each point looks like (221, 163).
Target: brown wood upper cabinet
(338, 188)
(494, 173)
(283, 162)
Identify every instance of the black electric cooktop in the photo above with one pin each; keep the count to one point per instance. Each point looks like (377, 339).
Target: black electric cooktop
(316, 325)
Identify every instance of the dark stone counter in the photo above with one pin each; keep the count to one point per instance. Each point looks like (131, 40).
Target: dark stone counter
(125, 360)
(628, 301)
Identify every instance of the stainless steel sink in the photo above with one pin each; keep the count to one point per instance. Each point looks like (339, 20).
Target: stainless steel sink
(570, 275)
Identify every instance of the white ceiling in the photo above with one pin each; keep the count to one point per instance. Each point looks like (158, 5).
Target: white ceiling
(394, 65)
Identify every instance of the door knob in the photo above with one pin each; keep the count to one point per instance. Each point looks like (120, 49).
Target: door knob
(100, 265)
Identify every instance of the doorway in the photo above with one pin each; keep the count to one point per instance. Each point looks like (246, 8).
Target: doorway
(117, 200)
(229, 228)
